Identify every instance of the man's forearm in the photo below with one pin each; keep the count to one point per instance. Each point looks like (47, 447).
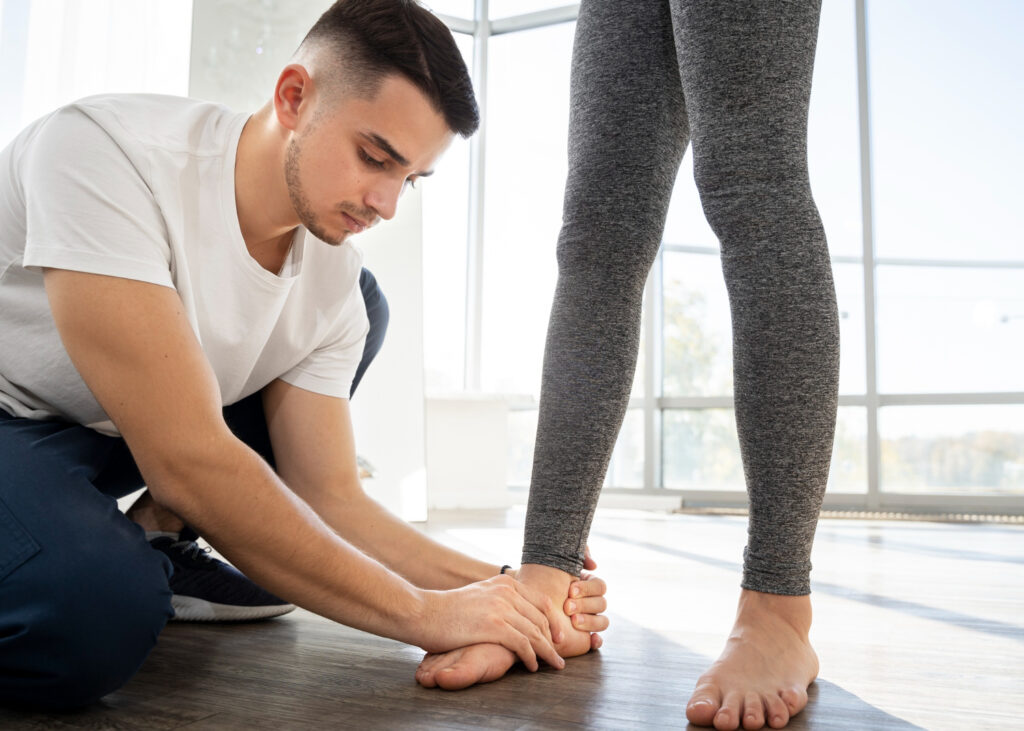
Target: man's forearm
(369, 526)
(279, 542)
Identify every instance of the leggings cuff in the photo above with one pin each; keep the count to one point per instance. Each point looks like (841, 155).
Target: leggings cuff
(772, 577)
(568, 564)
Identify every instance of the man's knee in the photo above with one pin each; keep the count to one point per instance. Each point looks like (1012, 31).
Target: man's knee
(377, 311)
(73, 631)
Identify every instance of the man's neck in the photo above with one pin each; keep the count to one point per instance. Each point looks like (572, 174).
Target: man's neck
(265, 214)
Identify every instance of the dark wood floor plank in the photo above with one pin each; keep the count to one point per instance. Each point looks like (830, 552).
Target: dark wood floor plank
(917, 625)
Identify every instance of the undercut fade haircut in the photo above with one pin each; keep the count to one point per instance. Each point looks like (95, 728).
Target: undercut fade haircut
(372, 39)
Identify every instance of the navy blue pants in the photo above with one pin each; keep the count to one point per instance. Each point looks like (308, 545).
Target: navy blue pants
(82, 595)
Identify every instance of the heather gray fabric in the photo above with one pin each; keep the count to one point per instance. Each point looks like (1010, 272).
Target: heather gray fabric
(735, 79)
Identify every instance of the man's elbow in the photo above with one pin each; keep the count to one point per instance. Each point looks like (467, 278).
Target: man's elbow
(179, 472)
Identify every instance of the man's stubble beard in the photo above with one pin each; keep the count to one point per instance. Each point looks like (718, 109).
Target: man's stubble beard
(299, 199)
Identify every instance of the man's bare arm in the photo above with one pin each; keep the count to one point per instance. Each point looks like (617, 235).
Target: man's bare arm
(314, 449)
(136, 351)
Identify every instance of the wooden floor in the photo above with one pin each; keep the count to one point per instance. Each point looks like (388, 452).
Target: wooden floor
(918, 625)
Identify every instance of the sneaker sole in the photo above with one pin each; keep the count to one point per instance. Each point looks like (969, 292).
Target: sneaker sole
(192, 609)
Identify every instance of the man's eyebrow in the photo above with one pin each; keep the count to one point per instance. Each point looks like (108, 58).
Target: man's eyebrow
(386, 146)
(394, 154)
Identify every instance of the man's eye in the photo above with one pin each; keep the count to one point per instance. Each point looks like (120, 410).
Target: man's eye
(411, 182)
(370, 160)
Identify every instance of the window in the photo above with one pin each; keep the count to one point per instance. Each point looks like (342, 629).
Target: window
(53, 52)
(918, 192)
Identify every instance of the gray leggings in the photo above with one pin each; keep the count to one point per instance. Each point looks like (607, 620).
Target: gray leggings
(735, 79)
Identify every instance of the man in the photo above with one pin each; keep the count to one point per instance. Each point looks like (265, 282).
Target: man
(165, 258)
(736, 79)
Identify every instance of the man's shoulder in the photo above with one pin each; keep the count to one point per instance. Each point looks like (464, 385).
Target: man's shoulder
(168, 123)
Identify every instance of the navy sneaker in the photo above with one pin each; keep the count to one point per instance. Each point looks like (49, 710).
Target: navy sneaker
(208, 590)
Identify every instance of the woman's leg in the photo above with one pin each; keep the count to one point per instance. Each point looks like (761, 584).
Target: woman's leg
(746, 73)
(627, 135)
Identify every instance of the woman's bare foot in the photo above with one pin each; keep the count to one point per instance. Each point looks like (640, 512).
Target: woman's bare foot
(762, 675)
(464, 667)
(483, 663)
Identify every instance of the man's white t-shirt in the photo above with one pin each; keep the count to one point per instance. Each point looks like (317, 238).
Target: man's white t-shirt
(142, 187)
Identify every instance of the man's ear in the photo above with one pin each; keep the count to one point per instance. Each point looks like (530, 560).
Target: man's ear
(292, 95)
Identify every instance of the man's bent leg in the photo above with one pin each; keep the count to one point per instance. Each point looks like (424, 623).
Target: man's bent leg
(378, 313)
(82, 595)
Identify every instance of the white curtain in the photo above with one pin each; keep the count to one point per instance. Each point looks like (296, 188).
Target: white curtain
(56, 51)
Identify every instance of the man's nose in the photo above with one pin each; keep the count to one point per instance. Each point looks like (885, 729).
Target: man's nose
(383, 198)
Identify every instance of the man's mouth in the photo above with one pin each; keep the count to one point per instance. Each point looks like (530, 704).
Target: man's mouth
(354, 224)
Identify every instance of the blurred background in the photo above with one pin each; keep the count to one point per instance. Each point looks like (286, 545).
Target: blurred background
(915, 160)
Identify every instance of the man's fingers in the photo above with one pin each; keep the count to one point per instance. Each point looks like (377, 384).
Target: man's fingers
(539, 619)
(588, 586)
(544, 604)
(540, 646)
(590, 622)
(587, 605)
(520, 644)
(588, 561)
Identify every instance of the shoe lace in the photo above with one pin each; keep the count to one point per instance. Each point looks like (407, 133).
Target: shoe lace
(193, 550)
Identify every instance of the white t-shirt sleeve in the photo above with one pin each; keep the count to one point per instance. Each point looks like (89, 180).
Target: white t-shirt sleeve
(330, 368)
(88, 207)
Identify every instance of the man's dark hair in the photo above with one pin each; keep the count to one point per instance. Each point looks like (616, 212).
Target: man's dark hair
(377, 38)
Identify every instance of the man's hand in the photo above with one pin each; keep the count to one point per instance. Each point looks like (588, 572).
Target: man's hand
(585, 600)
(484, 663)
(500, 610)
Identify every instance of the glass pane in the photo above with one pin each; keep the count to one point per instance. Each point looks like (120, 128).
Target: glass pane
(833, 135)
(950, 450)
(833, 146)
(946, 89)
(637, 390)
(849, 279)
(57, 51)
(626, 468)
(698, 330)
(457, 8)
(522, 432)
(508, 8)
(942, 329)
(528, 116)
(445, 227)
(685, 223)
(697, 327)
(701, 450)
(849, 470)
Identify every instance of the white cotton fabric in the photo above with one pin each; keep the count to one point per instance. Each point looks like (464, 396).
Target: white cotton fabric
(142, 187)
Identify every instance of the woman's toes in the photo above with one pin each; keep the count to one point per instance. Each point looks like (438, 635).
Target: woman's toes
(776, 713)
(794, 699)
(730, 714)
(753, 711)
(703, 706)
